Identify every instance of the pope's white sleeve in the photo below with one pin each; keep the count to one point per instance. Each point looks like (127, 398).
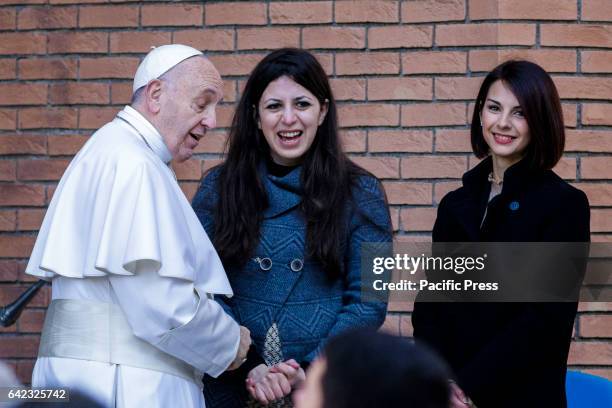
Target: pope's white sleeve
(171, 315)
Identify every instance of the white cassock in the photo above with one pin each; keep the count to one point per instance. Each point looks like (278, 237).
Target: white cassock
(119, 232)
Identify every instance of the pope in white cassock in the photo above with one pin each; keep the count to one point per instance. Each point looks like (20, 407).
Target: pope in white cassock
(132, 322)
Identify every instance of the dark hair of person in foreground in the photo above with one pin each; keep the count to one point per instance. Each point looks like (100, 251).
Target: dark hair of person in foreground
(368, 369)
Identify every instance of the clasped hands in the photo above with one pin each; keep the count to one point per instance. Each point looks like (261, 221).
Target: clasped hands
(267, 384)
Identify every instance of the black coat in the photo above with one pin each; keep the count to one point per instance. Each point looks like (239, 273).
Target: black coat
(507, 354)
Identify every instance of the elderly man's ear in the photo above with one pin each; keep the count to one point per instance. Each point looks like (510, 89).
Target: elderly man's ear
(153, 93)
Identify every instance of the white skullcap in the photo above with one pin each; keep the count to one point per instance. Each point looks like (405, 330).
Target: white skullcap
(159, 60)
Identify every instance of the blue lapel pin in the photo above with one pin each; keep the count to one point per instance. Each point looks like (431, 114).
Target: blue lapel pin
(514, 205)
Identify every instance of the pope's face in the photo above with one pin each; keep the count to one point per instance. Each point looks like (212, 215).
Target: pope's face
(187, 106)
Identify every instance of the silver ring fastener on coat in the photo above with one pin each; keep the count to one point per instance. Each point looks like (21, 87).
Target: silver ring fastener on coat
(296, 265)
(264, 263)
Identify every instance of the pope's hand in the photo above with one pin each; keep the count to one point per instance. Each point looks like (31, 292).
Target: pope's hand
(243, 348)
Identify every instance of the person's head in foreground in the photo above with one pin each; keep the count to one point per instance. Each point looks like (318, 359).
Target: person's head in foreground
(177, 89)
(368, 369)
(518, 115)
(285, 117)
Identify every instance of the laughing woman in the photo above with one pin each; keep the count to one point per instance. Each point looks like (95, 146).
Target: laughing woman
(509, 354)
(287, 213)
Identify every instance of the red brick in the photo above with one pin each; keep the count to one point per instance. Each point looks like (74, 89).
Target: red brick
(400, 37)
(22, 43)
(15, 246)
(108, 16)
(48, 68)
(22, 144)
(367, 63)
(523, 10)
(394, 215)
(121, 93)
(78, 42)
(8, 68)
(596, 10)
(8, 222)
(596, 326)
(353, 141)
(453, 140)
(9, 270)
(402, 192)
(599, 194)
(94, 118)
(595, 306)
(235, 13)
(372, 114)
(175, 14)
(591, 352)
(433, 114)
(420, 11)
(570, 115)
(326, 61)
(30, 219)
(235, 64)
(267, 38)
(381, 11)
(381, 167)
(31, 321)
(406, 329)
(400, 88)
(551, 60)
(188, 170)
(84, 1)
(398, 303)
(566, 168)
(134, 41)
(400, 141)
(485, 34)
(47, 17)
(573, 35)
(333, 37)
(21, 194)
(596, 61)
(209, 164)
(302, 12)
(108, 67)
(600, 372)
(19, 346)
(7, 170)
(417, 219)
(7, 19)
(79, 93)
(597, 114)
(47, 118)
(50, 190)
(457, 87)
(41, 169)
(437, 166)
(213, 142)
(225, 113)
(189, 188)
(64, 145)
(345, 89)
(434, 62)
(588, 141)
(571, 87)
(442, 188)
(208, 39)
(23, 94)
(595, 167)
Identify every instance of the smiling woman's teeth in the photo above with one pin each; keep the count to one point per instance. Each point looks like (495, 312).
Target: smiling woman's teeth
(289, 135)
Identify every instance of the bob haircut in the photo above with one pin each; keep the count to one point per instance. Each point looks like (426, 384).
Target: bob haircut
(539, 100)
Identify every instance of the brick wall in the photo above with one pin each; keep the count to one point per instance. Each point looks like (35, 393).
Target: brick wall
(405, 74)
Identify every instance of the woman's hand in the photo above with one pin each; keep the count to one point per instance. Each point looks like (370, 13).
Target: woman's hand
(458, 397)
(266, 385)
(292, 371)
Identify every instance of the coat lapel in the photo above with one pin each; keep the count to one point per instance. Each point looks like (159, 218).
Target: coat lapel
(284, 193)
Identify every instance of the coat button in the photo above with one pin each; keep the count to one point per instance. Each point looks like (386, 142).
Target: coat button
(296, 265)
(264, 263)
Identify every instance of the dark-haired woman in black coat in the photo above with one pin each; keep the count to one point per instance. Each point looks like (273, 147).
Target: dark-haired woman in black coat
(509, 354)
